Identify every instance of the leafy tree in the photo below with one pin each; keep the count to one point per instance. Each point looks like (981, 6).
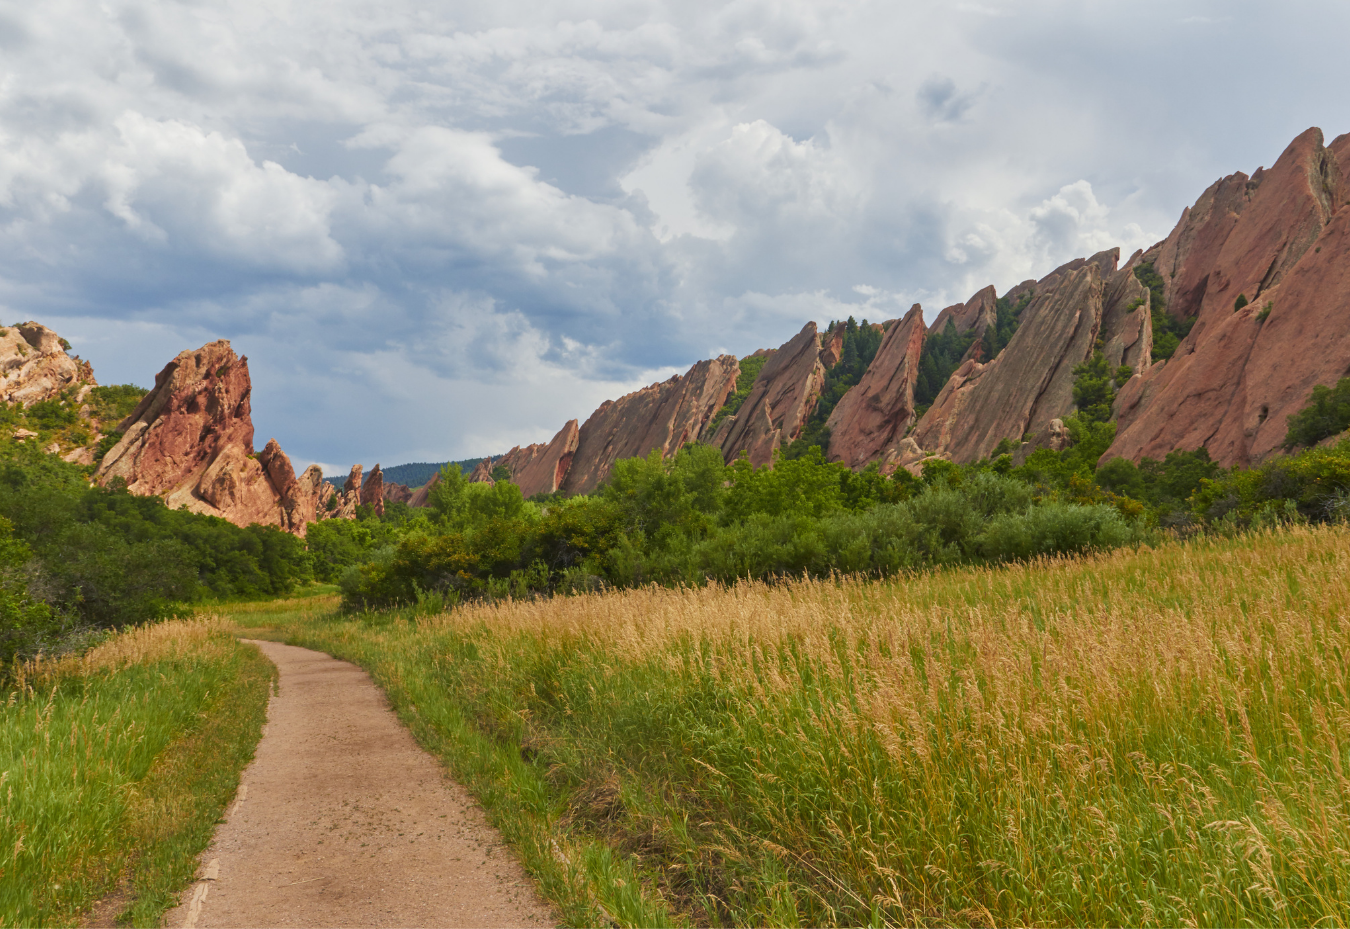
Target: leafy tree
(1095, 385)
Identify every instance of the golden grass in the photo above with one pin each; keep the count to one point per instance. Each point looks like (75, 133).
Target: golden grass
(1142, 737)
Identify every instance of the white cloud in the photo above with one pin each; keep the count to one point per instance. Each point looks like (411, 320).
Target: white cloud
(440, 230)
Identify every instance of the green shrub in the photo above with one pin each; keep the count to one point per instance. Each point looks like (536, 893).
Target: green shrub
(1167, 330)
(1327, 414)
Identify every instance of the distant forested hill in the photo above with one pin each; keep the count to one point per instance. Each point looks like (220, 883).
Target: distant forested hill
(413, 475)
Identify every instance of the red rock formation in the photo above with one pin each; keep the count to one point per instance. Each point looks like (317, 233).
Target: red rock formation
(190, 440)
(1127, 328)
(34, 365)
(977, 313)
(874, 415)
(538, 468)
(832, 346)
(397, 493)
(482, 474)
(1234, 381)
(663, 417)
(421, 496)
(1030, 383)
(372, 490)
(783, 396)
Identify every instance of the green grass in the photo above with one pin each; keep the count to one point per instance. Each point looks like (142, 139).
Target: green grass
(116, 766)
(1153, 737)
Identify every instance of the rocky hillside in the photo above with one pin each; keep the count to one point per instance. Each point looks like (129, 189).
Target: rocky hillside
(1226, 326)
(1217, 335)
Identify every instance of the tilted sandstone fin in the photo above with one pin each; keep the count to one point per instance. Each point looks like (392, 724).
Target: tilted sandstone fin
(875, 414)
(540, 469)
(782, 398)
(1235, 378)
(662, 417)
(1030, 383)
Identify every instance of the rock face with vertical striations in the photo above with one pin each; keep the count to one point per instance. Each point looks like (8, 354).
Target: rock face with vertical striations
(781, 400)
(662, 417)
(1279, 239)
(1030, 383)
(190, 440)
(34, 365)
(539, 468)
(874, 415)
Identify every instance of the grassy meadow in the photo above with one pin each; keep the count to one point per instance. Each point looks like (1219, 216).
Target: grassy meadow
(1150, 737)
(115, 767)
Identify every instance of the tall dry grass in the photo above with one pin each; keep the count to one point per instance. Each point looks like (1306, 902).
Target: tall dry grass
(1151, 737)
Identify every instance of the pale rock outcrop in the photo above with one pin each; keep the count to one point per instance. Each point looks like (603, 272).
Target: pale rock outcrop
(34, 365)
(1282, 240)
(780, 402)
(875, 414)
(421, 496)
(662, 417)
(397, 493)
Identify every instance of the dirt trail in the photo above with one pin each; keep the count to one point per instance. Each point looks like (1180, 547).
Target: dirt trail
(342, 820)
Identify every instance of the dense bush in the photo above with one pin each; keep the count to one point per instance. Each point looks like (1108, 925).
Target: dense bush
(1327, 414)
(694, 519)
(82, 557)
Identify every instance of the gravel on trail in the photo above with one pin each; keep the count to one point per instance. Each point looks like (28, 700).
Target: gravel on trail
(342, 820)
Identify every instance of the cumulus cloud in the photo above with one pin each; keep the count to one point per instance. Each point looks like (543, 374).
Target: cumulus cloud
(440, 232)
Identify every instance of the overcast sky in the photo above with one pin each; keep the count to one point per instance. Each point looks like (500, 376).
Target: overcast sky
(441, 229)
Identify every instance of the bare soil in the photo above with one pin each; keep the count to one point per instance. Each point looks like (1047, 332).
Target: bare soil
(342, 820)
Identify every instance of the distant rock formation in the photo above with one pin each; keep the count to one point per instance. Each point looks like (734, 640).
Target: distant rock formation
(663, 417)
(190, 440)
(372, 490)
(397, 493)
(34, 366)
(780, 402)
(482, 473)
(422, 496)
(1281, 239)
(873, 416)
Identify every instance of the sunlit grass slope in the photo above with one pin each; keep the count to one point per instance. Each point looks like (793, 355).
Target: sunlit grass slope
(115, 766)
(1152, 737)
